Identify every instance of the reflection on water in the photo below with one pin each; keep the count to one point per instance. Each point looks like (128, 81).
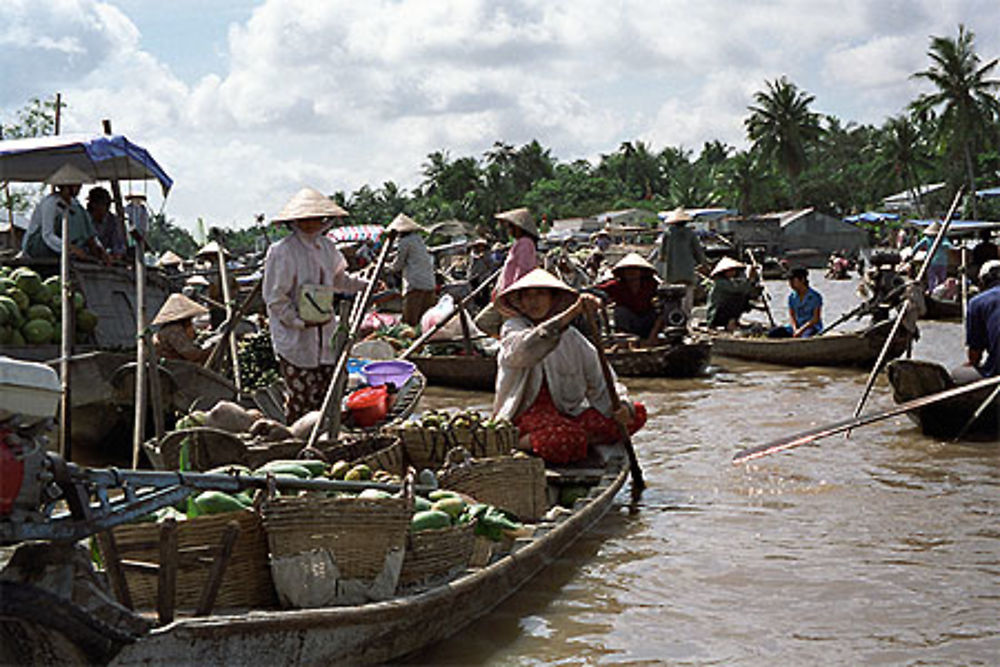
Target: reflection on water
(883, 548)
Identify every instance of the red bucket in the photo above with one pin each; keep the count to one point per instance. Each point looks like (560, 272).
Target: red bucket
(368, 406)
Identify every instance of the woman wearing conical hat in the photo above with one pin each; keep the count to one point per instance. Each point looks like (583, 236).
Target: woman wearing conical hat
(730, 294)
(174, 338)
(633, 291)
(521, 258)
(301, 273)
(417, 266)
(549, 380)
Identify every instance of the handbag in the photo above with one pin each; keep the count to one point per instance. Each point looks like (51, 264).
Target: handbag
(316, 303)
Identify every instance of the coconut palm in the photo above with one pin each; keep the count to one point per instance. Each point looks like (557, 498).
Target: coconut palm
(903, 155)
(965, 97)
(781, 126)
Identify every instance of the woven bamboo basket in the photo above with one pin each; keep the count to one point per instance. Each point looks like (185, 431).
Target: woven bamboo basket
(428, 447)
(516, 484)
(246, 582)
(357, 532)
(391, 458)
(431, 553)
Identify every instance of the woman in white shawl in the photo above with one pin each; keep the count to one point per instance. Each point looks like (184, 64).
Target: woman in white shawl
(549, 380)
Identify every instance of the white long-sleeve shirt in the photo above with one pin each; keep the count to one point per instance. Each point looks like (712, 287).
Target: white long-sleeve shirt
(47, 218)
(416, 263)
(566, 361)
(292, 262)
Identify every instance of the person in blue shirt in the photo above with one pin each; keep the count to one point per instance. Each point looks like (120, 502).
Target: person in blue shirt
(982, 328)
(937, 271)
(805, 306)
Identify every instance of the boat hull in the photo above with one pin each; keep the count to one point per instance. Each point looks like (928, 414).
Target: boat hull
(683, 360)
(836, 349)
(912, 379)
(377, 632)
(942, 309)
(460, 372)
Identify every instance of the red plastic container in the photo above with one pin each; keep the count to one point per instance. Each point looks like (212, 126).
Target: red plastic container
(368, 406)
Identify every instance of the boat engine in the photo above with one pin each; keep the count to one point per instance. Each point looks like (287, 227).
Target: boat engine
(24, 474)
(671, 301)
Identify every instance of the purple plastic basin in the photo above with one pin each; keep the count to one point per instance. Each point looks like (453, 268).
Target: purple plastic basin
(384, 372)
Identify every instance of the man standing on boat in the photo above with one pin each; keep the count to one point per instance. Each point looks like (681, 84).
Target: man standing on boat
(982, 328)
(730, 294)
(301, 273)
(681, 253)
(417, 266)
(42, 238)
(805, 306)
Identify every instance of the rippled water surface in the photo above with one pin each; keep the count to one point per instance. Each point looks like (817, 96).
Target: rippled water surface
(880, 549)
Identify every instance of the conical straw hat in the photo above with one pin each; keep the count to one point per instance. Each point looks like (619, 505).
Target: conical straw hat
(178, 307)
(678, 215)
(309, 203)
(211, 250)
(725, 264)
(170, 258)
(508, 301)
(520, 217)
(69, 174)
(633, 260)
(932, 229)
(403, 223)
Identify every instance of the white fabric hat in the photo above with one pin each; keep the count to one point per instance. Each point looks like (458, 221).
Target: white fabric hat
(308, 204)
(725, 264)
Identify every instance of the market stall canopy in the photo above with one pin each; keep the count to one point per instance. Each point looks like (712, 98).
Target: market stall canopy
(989, 192)
(356, 233)
(959, 226)
(105, 157)
(871, 216)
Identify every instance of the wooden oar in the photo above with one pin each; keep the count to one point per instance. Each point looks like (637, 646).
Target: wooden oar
(638, 483)
(905, 305)
(977, 414)
(331, 401)
(230, 324)
(812, 435)
(424, 337)
(965, 286)
(765, 297)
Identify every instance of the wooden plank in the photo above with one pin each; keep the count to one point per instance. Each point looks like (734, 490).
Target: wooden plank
(167, 584)
(113, 566)
(218, 570)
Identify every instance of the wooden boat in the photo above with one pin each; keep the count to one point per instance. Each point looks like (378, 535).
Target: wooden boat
(458, 371)
(370, 633)
(677, 360)
(942, 309)
(912, 379)
(835, 349)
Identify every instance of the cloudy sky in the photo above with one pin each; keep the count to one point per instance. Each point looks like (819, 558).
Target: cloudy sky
(244, 102)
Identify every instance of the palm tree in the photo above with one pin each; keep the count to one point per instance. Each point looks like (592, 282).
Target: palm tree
(740, 180)
(966, 96)
(903, 155)
(781, 125)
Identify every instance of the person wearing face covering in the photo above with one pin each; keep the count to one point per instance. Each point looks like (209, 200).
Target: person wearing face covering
(301, 273)
(549, 379)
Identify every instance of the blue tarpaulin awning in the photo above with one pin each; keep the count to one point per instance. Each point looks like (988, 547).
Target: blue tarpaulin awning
(989, 192)
(959, 225)
(103, 157)
(871, 216)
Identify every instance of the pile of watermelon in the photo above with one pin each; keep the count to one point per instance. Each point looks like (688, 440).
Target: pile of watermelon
(31, 309)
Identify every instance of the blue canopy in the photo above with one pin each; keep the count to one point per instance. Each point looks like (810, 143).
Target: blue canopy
(103, 157)
(871, 216)
(989, 192)
(959, 225)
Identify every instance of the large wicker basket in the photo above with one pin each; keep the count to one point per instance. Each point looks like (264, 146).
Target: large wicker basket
(357, 532)
(428, 447)
(247, 579)
(432, 553)
(516, 484)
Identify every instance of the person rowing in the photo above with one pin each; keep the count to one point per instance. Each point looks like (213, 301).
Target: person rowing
(730, 294)
(549, 377)
(633, 291)
(982, 329)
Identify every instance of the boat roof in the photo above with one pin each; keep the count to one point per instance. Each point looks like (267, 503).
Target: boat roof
(104, 157)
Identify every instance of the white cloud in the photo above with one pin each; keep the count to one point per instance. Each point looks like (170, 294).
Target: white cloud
(340, 93)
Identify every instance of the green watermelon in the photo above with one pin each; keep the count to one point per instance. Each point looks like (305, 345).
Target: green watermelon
(16, 338)
(20, 298)
(37, 332)
(53, 286)
(28, 281)
(86, 321)
(40, 312)
(6, 333)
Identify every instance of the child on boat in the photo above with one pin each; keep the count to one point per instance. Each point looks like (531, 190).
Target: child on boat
(549, 380)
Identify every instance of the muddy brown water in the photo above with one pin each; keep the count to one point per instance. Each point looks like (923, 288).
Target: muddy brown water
(880, 549)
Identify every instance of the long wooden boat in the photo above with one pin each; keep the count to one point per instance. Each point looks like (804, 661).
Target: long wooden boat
(688, 358)
(912, 379)
(942, 309)
(835, 349)
(383, 631)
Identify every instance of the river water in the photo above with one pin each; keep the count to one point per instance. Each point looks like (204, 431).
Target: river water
(880, 549)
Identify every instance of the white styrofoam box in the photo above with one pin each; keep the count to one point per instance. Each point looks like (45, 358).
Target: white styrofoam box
(28, 388)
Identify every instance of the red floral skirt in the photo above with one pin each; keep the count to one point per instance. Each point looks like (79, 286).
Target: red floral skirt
(559, 438)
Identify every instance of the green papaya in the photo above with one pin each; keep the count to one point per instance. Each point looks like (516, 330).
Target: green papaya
(314, 467)
(339, 469)
(360, 472)
(453, 507)
(429, 520)
(421, 504)
(216, 502)
(278, 468)
(441, 494)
